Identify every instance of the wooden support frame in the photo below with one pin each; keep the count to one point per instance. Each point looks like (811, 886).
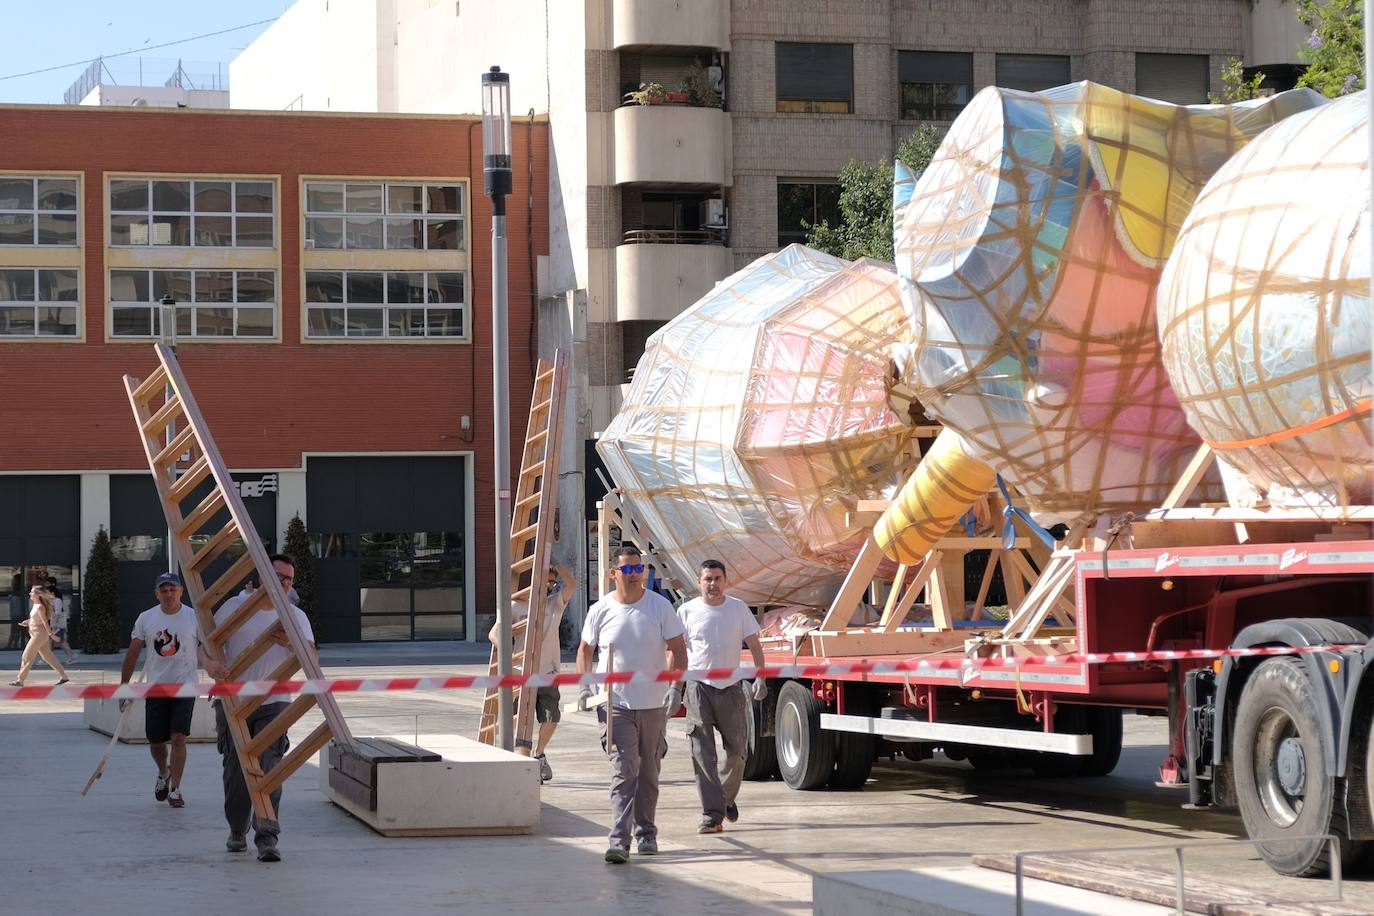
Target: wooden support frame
(178, 410)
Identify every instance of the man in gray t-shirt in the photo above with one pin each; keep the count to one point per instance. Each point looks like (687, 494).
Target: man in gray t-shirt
(638, 628)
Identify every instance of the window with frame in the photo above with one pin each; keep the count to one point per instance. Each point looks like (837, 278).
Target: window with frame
(1032, 72)
(934, 85)
(37, 211)
(814, 77)
(400, 216)
(390, 304)
(192, 213)
(210, 303)
(802, 205)
(39, 302)
(1178, 78)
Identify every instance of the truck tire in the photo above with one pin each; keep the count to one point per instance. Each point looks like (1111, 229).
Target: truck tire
(761, 763)
(1103, 723)
(854, 752)
(806, 753)
(1282, 784)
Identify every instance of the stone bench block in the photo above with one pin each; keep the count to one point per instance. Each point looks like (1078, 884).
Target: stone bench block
(103, 716)
(472, 790)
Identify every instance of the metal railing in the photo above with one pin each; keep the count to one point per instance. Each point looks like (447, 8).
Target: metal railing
(674, 237)
(1178, 849)
(131, 71)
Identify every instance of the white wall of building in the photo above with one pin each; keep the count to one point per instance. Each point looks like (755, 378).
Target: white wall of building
(156, 96)
(321, 55)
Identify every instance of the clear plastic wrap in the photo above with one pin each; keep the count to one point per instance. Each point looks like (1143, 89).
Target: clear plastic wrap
(1264, 311)
(1029, 253)
(758, 417)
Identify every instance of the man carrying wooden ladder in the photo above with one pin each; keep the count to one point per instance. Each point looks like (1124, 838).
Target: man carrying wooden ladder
(238, 803)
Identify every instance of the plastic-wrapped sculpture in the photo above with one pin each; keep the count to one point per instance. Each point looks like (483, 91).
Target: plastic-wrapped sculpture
(758, 417)
(1264, 311)
(1028, 254)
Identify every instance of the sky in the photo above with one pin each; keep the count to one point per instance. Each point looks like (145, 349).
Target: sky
(49, 33)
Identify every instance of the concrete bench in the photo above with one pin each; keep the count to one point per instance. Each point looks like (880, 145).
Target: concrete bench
(958, 891)
(452, 786)
(103, 716)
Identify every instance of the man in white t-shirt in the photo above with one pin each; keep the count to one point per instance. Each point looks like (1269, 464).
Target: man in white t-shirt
(717, 627)
(238, 804)
(637, 628)
(547, 700)
(169, 629)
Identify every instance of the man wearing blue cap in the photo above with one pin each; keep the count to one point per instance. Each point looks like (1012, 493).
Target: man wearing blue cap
(169, 628)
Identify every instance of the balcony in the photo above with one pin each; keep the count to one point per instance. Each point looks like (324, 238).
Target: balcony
(682, 23)
(672, 144)
(659, 273)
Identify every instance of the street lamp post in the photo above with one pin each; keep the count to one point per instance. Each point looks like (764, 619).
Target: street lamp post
(496, 180)
(167, 329)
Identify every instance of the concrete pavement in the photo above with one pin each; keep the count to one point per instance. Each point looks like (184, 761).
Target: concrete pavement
(116, 850)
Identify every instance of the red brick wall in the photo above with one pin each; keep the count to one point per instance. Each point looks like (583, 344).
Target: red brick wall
(269, 403)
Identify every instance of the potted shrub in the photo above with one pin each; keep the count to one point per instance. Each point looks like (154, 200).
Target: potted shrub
(648, 94)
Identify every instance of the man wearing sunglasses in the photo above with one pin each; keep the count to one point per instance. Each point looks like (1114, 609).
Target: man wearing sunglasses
(635, 628)
(717, 626)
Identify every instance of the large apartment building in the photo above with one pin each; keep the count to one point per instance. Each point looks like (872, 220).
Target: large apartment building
(332, 316)
(688, 137)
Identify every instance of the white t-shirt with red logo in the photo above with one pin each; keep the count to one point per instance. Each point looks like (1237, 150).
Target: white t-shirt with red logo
(171, 641)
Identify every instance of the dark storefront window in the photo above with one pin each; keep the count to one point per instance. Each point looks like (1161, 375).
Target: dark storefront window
(39, 537)
(389, 537)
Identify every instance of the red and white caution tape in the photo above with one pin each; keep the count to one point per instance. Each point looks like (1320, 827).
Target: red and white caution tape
(909, 666)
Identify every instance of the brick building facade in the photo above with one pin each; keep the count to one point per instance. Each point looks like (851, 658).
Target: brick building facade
(333, 277)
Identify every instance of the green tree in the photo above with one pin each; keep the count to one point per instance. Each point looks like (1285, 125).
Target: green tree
(100, 600)
(865, 229)
(1334, 51)
(1235, 87)
(298, 549)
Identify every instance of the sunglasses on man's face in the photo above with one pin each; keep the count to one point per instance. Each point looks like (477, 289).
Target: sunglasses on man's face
(632, 568)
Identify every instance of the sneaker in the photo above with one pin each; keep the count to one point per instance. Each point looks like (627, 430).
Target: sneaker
(160, 788)
(732, 812)
(268, 854)
(174, 798)
(648, 847)
(237, 842)
(545, 771)
(617, 856)
(709, 825)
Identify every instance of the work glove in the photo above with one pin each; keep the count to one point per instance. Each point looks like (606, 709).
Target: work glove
(584, 695)
(760, 688)
(673, 698)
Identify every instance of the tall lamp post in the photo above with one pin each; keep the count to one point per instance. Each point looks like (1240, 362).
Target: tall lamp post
(167, 329)
(496, 180)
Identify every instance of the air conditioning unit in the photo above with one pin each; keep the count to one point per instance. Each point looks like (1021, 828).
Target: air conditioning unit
(713, 214)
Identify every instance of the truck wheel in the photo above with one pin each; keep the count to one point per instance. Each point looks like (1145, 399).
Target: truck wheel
(1070, 720)
(806, 754)
(1104, 724)
(854, 752)
(1282, 784)
(761, 763)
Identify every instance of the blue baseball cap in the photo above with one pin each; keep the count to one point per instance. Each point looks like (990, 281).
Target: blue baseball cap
(167, 578)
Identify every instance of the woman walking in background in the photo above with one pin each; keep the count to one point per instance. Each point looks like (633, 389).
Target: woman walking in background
(58, 622)
(40, 637)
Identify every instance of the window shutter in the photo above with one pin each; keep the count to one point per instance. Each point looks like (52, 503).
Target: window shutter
(934, 67)
(1032, 72)
(820, 72)
(1178, 78)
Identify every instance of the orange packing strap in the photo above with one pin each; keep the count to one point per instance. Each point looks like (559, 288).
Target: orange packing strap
(1361, 407)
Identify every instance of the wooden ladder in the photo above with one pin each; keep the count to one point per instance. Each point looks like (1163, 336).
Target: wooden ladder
(531, 546)
(163, 402)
